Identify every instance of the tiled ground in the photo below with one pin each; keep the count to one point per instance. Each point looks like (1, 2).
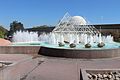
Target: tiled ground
(52, 68)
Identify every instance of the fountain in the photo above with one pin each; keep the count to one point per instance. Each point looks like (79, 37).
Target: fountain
(74, 38)
(25, 38)
(76, 30)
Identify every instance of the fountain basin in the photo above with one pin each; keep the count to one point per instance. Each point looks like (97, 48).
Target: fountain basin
(81, 52)
(19, 49)
(110, 50)
(36, 43)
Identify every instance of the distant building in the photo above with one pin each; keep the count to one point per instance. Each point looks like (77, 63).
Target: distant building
(113, 29)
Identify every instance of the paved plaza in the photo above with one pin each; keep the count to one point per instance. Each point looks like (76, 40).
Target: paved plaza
(27, 67)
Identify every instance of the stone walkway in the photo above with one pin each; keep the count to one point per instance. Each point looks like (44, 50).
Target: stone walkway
(52, 68)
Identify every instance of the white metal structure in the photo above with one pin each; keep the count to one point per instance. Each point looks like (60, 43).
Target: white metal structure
(75, 24)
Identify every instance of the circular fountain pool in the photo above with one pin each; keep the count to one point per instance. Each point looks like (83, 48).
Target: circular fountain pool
(110, 50)
(112, 45)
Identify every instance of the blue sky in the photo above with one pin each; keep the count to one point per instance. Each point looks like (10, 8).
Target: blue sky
(39, 12)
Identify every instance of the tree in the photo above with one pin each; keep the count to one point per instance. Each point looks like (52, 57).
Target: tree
(3, 32)
(15, 26)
